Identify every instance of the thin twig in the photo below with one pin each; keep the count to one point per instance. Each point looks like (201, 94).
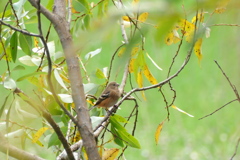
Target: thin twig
(236, 148)
(166, 102)
(218, 109)
(19, 30)
(236, 25)
(14, 12)
(233, 86)
(111, 62)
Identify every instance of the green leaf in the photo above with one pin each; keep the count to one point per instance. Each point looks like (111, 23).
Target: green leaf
(3, 106)
(18, 67)
(129, 139)
(26, 43)
(120, 118)
(86, 22)
(117, 137)
(30, 75)
(100, 74)
(123, 134)
(53, 140)
(116, 125)
(80, 5)
(13, 46)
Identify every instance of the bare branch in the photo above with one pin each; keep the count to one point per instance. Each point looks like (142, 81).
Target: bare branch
(19, 30)
(218, 109)
(233, 86)
(236, 148)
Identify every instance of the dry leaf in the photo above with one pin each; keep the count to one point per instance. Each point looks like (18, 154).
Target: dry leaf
(158, 132)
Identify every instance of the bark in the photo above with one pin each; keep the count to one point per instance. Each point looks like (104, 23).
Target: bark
(60, 24)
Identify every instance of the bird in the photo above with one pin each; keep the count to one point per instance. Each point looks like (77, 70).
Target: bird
(109, 96)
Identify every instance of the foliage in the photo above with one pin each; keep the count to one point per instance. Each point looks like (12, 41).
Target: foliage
(111, 44)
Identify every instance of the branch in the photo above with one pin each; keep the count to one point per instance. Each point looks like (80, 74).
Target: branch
(19, 30)
(83, 119)
(218, 109)
(235, 149)
(15, 152)
(233, 86)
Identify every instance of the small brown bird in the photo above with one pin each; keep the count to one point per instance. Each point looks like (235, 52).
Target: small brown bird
(109, 96)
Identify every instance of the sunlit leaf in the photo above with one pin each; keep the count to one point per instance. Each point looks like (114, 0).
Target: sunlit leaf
(110, 154)
(93, 53)
(59, 79)
(158, 132)
(13, 45)
(66, 98)
(143, 17)
(198, 49)
(155, 64)
(38, 134)
(9, 83)
(175, 107)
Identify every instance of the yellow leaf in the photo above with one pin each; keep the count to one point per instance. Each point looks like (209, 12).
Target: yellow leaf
(131, 65)
(38, 134)
(90, 102)
(221, 7)
(140, 82)
(158, 132)
(200, 17)
(172, 37)
(110, 154)
(121, 51)
(149, 75)
(175, 107)
(187, 29)
(198, 49)
(64, 78)
(126, 18)
(140, 79)
(134, 51)
(35, 42)
(143, 17)
(134, 2)
(76, 138)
